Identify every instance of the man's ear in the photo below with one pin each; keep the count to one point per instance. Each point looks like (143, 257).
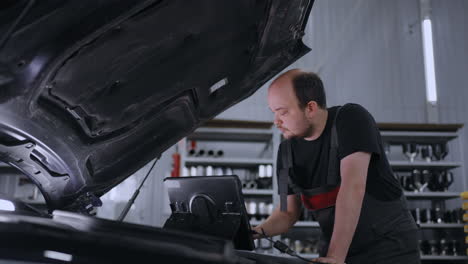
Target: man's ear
(312, 107)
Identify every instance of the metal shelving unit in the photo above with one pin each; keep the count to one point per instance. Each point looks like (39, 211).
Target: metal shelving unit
(255, 222)
(306, 224)
(393, 133)
(307, 256)
(418, 136)
(243, 132)
(257, 192)
(424, 135)
(429, 257)
(226, 161)
(298, 223)
(231, 134)
(423, 257)
(261, 143)
(422, 165)
(441, 225)
(432, 195)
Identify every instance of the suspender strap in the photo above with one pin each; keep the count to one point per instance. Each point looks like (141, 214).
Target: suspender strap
(284, 179)
(283, 190)
(333, 178)
(295, 188)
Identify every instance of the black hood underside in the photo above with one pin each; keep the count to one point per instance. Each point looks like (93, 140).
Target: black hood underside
(90, 91)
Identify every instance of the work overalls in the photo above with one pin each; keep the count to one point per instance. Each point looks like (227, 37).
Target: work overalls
(386, 232)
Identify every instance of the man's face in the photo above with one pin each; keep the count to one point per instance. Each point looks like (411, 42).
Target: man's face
(288, 116)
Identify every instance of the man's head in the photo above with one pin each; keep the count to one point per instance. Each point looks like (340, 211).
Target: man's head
(296, 98)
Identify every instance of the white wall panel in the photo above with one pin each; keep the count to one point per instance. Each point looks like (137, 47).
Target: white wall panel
(370, 52)
(451, 58)
(254, 108)
(366, 53)
(450, 27)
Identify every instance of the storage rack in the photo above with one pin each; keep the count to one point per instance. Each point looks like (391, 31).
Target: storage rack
(260, 140)
(396, 133)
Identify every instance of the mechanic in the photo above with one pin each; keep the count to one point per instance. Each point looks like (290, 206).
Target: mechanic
(332, 160)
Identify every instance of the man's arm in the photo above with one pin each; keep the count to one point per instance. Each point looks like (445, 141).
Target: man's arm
(280, 222)
(348, 205)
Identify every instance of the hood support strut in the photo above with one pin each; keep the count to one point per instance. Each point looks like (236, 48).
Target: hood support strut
(136, 193)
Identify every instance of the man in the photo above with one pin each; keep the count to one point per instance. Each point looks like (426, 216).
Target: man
(333, 161)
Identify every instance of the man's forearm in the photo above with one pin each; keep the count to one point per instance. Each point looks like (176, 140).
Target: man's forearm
(277, 223)
(347, 211)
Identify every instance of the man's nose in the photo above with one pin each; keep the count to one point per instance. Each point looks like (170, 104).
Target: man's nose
(277, 121)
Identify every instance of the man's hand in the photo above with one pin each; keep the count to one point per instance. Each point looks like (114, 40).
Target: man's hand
(257, 232)
(280, 222)
(328, 259)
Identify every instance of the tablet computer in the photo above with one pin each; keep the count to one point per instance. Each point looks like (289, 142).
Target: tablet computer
(210, 205)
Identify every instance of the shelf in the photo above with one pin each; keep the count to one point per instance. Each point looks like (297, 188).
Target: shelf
(257, 192)
(423, 225)
(423, 257)
(231, 134)
(393, 133)
(442, 225)
(282, 255)
(428, 257)
(255, 222)
(298, 224)
(306, 224)
(418, 127)
(417, 136)
(226, 161)
(422, 164)
(432, 195)
(307, 256)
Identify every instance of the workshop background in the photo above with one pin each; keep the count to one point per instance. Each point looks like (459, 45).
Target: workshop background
(368, 52)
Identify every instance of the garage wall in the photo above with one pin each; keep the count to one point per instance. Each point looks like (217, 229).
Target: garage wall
(370, 52)
(378, 64)
(450, 27)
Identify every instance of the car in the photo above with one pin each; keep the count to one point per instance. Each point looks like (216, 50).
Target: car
(90, 91)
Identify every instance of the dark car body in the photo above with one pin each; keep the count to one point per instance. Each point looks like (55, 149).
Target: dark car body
(92, 90)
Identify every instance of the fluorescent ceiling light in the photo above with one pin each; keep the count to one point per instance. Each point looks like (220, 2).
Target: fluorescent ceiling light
(6, 205)
(429, 69)
(58, 255)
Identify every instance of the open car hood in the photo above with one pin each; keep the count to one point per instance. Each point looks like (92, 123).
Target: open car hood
(90, 91)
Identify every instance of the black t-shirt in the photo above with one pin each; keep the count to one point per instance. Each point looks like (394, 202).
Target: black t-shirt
(357, 132)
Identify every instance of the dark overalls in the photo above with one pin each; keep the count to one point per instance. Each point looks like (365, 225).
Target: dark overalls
(386, 232)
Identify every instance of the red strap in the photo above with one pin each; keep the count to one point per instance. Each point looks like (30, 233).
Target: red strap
(320, 201)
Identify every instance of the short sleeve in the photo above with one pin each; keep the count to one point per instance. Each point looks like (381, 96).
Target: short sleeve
(357, 131)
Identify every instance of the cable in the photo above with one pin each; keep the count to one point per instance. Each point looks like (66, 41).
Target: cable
(283, 248)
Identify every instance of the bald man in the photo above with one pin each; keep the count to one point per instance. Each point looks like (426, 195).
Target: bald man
(333, 163)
